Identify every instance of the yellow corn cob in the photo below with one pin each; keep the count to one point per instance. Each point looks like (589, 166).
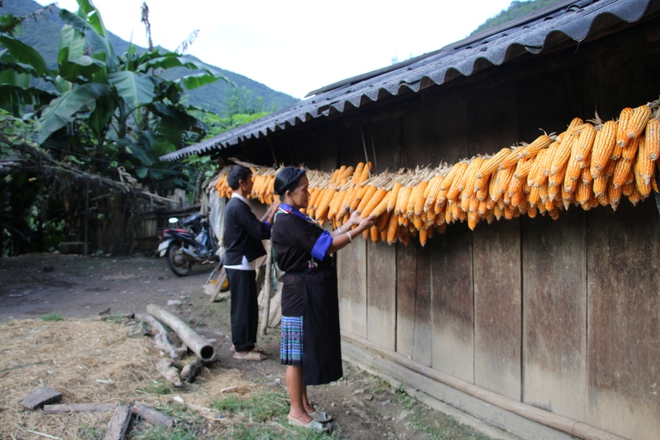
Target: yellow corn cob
(416, 204)
(417, 222)
(621, 171)
(584, 144)
(630, 150)
(450, 181)
(536, 167)
(604, 144)
(638, 121)
(482, 192)
(336, 173)
(423, 236)
(358, 196)
(470, 173)
(381, 209)
(532, 212)
(466, 184)
(652, 134)
(402, 200)
(335, 204)
(583, 195)
(324, 206)
(358, 172)
(622, 129)
(392, 228)
(345, 206)
(482, 209)
(643, 187)
(585, 176)
(643, 166)
(600, 185)
(513, 157)
(373, 231)
(395, 194)
(534, 195)
(540, 144)
(343, 177)
(501, 180)
(376, 197)
(371, 190)
(432, 190)
(561, 153)
(365, 173)
(490, 165)
(628, 187)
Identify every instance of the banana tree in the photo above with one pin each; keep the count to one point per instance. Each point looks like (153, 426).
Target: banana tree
(121, 106)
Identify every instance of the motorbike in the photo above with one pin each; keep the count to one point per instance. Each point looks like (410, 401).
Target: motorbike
(192, 244)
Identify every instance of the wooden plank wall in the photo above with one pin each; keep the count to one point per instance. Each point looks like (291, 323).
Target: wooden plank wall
(562, 315)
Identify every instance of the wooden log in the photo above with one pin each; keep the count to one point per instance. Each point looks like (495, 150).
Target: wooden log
(192, 339)
(190, 371)
(153, 416)
(79, 407)
(118, 423)
(169, 372)
(40, 397)
(161, 340)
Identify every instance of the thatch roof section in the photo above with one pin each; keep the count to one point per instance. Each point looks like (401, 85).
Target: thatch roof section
(532, 34)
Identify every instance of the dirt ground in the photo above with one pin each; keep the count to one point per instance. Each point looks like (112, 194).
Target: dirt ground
(364, 406)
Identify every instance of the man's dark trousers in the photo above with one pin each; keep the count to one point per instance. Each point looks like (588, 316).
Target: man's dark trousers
(243, 289)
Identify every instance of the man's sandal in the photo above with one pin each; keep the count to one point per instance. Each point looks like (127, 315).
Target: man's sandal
(313, 425)
(249, 356)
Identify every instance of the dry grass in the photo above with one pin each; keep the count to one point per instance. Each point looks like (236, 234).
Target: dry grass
(91, 361)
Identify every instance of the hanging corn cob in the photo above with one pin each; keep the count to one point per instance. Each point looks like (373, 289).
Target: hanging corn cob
(590, 164)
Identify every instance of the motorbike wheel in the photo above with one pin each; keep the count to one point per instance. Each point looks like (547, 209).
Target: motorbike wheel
(177, 262)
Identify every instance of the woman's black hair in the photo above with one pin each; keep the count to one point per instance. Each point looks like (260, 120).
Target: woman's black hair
(287, 179)
(237, 172)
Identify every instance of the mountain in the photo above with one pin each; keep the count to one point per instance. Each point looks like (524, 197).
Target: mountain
(515, 10)
(43, 35)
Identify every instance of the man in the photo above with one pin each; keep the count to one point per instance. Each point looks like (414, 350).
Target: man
(243, 247)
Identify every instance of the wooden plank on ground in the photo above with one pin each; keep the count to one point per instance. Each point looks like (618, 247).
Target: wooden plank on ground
(623, 335)
(498, 307)
(40, 397)
(452, 302)
(352, 279)
(381, 294)
(118, 424)
(554, 315)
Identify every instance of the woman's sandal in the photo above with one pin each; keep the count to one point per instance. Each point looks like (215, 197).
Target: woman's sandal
(249, 356)
(313, 425)
(320, 416)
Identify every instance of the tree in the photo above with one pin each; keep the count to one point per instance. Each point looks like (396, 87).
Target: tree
(104, 110)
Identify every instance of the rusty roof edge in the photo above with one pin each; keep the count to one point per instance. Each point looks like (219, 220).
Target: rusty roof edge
(431, 67)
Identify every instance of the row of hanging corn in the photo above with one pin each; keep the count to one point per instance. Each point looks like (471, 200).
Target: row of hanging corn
(590, 164)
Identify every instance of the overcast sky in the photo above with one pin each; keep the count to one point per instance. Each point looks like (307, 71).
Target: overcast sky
(296, 46)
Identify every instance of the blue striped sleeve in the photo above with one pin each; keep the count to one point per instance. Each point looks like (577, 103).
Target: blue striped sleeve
(322, 245)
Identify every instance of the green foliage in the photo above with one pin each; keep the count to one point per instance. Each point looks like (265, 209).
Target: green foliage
(516, 10)
(53, 317)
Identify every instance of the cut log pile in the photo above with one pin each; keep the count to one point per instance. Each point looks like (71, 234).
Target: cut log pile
(172, 367)
(590, 164)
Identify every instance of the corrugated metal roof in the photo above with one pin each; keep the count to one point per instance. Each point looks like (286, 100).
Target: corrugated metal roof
(575, 20)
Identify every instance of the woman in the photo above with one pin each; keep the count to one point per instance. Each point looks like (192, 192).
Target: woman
(310, 345)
